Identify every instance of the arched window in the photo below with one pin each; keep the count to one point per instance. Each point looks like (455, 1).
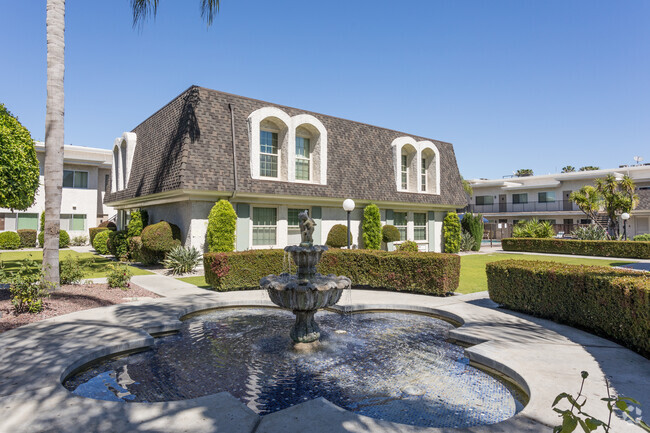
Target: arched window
(116, 172)
(287, 148)
(123, 150)
(417, 166)
(273, 138)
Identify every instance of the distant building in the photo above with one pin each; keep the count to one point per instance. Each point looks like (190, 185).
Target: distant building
(271, 162)
(86, 173)
(546, 197)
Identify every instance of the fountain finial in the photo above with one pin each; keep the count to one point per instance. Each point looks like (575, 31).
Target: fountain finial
(307, 225)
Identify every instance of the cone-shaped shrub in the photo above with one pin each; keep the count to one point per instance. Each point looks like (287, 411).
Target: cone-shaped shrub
(473, 224)
(451, 231)
(371, 227)
(222, 223)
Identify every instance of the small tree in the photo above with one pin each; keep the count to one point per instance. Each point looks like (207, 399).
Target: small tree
(589, 200)
(467, 187)
(222, 223)
(371, 227)
(18, 163)
(618, 197)
(136, 224)
(451, 231)
(568, 169)
(473, 224)
(522, 172)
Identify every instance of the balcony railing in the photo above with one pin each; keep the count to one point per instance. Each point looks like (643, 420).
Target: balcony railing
(531, 206)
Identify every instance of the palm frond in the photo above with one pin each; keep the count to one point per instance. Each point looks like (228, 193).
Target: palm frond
(209, 8)
(142, 9)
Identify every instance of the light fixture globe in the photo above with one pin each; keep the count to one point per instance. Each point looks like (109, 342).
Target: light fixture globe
(348, 205)
(625, 216)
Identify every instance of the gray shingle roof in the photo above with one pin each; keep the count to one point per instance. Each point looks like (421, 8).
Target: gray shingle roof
(188, 145)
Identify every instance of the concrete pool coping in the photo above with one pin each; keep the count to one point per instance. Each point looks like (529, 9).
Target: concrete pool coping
(541, 356)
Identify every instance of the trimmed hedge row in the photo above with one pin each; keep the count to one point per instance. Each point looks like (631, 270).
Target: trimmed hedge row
(609, 302)
(430, 273)
(27, 238)
(629, 249)
(64, 239)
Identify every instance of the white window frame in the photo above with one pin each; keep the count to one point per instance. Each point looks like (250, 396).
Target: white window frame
(253, 226)
(426, 231)
(278, 155)
(405, 226)
(302, 158)
(404, 171)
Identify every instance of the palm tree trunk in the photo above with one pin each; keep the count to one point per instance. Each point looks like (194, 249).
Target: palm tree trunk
(55, 26)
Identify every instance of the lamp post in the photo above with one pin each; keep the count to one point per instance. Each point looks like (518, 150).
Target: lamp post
(348, 206)
(625, 216)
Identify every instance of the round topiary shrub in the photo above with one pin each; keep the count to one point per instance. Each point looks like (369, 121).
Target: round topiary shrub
(27, 238)
(408, 246)
(371, 227)
(109, 224)
(92, 232)
(158, 239)
(642, 238)
(390, 234)
(222, 223)
(100, 242)
(117, 244)
(64, 239)
(451, 231)
(9, 241)
(338, 236)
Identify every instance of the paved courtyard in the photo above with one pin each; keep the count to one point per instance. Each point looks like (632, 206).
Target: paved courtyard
(544, 358)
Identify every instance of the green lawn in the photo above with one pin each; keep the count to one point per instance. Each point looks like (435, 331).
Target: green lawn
(472, 267)
(98, 268)
(197, 281)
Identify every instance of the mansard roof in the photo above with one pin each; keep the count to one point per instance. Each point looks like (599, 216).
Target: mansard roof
(188, 145)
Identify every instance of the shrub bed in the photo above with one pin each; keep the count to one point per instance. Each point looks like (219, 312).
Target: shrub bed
(9, 241)
(118, 244)
(100, 242)
(27, 238)
(630, 249)
(609, 302)
(429, 273)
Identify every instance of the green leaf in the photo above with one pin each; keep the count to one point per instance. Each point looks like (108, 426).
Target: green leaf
(559, 398)
(569, 423)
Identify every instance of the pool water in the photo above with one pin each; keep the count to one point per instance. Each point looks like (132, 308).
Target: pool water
(392, 366)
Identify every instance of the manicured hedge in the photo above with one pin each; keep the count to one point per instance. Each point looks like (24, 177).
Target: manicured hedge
(630, 249)
(9, 241)
(613, 303)
(100, 242)
(64, 239)
(118, 244)
(27, 238)
(93, 232)
(430, 273)
(338, 236)
(158, 239)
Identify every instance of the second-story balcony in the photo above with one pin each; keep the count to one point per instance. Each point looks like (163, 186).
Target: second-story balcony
(531, 206)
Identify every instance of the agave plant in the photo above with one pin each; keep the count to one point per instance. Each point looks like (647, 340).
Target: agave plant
(590, 233)
(182, 260)
(467, 241)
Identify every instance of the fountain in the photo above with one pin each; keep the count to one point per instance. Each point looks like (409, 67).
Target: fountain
(307, 291)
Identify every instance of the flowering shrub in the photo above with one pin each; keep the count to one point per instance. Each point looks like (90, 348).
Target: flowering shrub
(119, 277)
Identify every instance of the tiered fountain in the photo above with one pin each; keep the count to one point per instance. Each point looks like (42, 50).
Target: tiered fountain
(307, 291)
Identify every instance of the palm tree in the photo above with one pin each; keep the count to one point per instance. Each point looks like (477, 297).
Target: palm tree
(55, 28)
(143, 8)
(589, 200)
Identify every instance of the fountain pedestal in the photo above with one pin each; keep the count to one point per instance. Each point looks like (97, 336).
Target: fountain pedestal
(305, 292)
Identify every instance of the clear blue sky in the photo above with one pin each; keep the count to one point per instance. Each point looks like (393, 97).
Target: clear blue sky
(511, 83)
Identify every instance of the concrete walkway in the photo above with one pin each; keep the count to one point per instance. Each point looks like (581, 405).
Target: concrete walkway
(543, 357)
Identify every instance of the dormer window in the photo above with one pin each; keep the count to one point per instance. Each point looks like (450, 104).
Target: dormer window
(303, 157)
(288, 149)
(268, 153)
(417, 166)
(423, 175)
(405, 172)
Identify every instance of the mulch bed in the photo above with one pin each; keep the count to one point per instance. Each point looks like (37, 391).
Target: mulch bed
(68, 299)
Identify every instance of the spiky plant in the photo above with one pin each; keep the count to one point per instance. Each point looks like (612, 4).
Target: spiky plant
(182, 260)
